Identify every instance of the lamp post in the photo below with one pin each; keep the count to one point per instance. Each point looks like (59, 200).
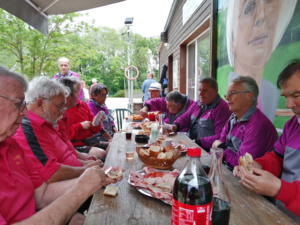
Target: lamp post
(128, 23)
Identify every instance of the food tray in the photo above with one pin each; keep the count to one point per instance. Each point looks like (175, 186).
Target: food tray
(143, 190)
(157, 163)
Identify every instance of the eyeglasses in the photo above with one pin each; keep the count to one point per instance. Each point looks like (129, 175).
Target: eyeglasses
(61, 109)
(229, 95)
(103, 95)
(21, 106)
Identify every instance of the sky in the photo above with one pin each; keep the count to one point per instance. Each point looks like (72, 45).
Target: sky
(149, 16)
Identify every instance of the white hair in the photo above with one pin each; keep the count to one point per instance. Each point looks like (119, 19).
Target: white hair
(44, 87)
(285, 15)
(63, 59)
(94, 80)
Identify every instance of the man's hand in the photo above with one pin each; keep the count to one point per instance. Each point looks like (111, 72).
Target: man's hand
(86, 125)
(92, 179)
(91, 157)
(172, 127)
(236, 170)
(216, 143)
(144, 112)
(262, 182)
(94, 163)
(114, 168)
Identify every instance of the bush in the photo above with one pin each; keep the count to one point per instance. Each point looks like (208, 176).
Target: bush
(120, 94)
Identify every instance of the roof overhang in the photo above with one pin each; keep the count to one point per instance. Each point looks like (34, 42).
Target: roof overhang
(35, 12)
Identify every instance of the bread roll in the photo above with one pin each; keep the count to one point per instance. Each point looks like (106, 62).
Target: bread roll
(247, 162)
(144, 151)
(154, 151)
(115, 174)
(170, 154)
(162, 155)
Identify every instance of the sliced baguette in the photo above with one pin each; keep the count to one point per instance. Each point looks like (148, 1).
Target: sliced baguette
(111, 191)
(154, 151)
(162, 155)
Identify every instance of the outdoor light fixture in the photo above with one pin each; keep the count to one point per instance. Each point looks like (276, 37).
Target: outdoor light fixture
(128, 21)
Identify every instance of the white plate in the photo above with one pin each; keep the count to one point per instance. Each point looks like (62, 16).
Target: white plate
(145, 191)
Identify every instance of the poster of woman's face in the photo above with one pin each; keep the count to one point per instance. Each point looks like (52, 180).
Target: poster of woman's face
(254, 37)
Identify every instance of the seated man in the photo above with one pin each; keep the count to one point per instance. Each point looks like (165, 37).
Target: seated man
(82, 127)
(175, 105)
(154, 90)
(283, 162)
(73, 84)
(54, 159)
(23, 190)
(248, 129)
(96, 104)
(208, 115)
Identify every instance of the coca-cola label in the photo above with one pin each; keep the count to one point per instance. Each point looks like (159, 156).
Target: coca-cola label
(183, 214)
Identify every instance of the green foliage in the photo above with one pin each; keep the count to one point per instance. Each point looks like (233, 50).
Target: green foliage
(120, 94)
(100, 53)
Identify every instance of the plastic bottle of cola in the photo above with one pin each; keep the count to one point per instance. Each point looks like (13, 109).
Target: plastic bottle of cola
(192, 193)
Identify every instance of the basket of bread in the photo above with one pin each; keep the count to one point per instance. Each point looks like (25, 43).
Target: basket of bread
(157, 156)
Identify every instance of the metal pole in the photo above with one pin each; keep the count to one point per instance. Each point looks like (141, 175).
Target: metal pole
(130, 82)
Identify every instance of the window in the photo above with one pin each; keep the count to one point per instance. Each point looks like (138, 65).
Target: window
(198, 56)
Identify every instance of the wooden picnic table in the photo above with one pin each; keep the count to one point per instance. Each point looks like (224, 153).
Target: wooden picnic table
(132, 207)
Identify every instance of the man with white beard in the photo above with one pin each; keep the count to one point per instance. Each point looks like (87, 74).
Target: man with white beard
(55, 159)
(277, 173)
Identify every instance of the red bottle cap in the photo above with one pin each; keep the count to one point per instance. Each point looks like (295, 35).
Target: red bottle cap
(194, 151)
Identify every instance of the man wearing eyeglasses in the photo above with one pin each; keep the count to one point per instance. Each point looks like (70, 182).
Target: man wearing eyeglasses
(24, 195)
(248, 129)
(277, 173)
(55, 159)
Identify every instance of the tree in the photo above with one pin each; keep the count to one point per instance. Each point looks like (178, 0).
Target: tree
(35, 53)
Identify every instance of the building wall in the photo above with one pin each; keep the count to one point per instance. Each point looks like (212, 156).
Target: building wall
(178, 34)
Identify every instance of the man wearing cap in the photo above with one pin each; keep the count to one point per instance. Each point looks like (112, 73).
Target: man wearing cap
(146, 85)
(175, 105)
(154, 90)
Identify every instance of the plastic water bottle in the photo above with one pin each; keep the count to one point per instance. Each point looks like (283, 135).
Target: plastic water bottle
(154, 133)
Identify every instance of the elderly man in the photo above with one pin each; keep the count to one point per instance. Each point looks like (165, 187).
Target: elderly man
(154, 90)
(23, 190)
(208, 115)
(73, 84)
(55, 159)
(283, 162)
(248, 129)
(146, 85)
(175, 105)
(63, 64)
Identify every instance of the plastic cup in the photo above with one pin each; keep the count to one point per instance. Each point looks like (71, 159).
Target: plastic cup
(128, 134)
(129, 150)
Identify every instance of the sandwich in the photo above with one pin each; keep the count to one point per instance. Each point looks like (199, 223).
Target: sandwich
(247, 162)
(115, 174)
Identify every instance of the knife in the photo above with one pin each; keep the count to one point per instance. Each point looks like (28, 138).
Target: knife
(107, 170)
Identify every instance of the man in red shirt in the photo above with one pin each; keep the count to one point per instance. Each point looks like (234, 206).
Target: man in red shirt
(22, 190)
(55, 159)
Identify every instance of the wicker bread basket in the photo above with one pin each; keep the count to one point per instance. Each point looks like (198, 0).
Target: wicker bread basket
(157, 163)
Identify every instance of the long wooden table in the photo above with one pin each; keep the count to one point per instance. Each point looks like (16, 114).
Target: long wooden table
(133, 208)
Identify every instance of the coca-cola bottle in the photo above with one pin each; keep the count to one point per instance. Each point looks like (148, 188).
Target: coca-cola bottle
(221, 199)
(192, 193)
